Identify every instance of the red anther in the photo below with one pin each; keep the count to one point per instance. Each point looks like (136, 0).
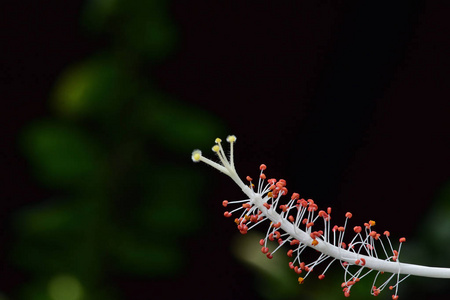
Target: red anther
(363, 262)
(310, 201)
(266, 205)
(262, 167)
(307, 269)
(291, 264)
(357, 262)
(283, 207)
(294, 242)
(262, 176)
(295, 196)
(394, 258)
(347, 294)
(261, 242)
(343, 246)
(305, 220)
(402, 240)
(302, 266)
(248, 178)
(264, 250)
(269, 255)
(357, 279)
(246, 205)
(395, 252)
(345, 264)
(391, 287)
(284, 191)
(313, 207)
(329, 210)
(271, 236)
(377, 236)
(253, 218)
(227, 214)
(321, 276)
(289, 253)
(279, 185)
(243, 231)
(298, 270)
(224, 203)
(277, 234)
(348, 215)
(291, 218)
(341, 229)
(277, 225)
(357, 229)
(271, 181)
(373, 233)
(387, 233)
(309, 224)
(282, 181)
(335, 228)
(394, 297)
(350, 283)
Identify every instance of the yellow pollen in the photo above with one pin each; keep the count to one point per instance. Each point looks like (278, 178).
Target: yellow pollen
(247, 217)
(218, 140)
(372, 223)
(231, 139)
(216, 148)
(269, 194)
(315, 243)
(301, 280)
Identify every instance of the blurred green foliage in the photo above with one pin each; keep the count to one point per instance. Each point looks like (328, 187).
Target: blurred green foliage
(116, 154)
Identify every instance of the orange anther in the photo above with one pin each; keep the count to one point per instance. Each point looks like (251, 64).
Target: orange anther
(224, 203)
(246, 205)
(309, 224)
(266, 205)
(321, 276)
(373, 234)
(387, 233)
(348, 215)
(262, 176)
(372, 223)
(295, 196)
(315, 243)
(262, 167)
(341, 229)
(357, 229)
(402, 240)
(329, 210)
(248, 178)
(227, 214)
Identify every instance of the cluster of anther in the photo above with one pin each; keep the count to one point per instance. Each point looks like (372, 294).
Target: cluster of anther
(304, 214)
(296, 223)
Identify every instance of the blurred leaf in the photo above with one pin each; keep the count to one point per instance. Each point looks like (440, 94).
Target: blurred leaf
(61, 156)
(91, 89)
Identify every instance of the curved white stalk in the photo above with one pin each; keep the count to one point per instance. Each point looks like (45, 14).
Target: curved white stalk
(262, 205)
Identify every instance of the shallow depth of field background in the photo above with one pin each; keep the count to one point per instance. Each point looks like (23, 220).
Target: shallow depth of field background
(104, 102)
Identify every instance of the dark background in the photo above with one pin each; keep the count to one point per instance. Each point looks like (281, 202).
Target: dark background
(346, 101)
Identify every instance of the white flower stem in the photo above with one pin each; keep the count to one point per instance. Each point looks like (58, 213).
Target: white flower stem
(340, 253)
